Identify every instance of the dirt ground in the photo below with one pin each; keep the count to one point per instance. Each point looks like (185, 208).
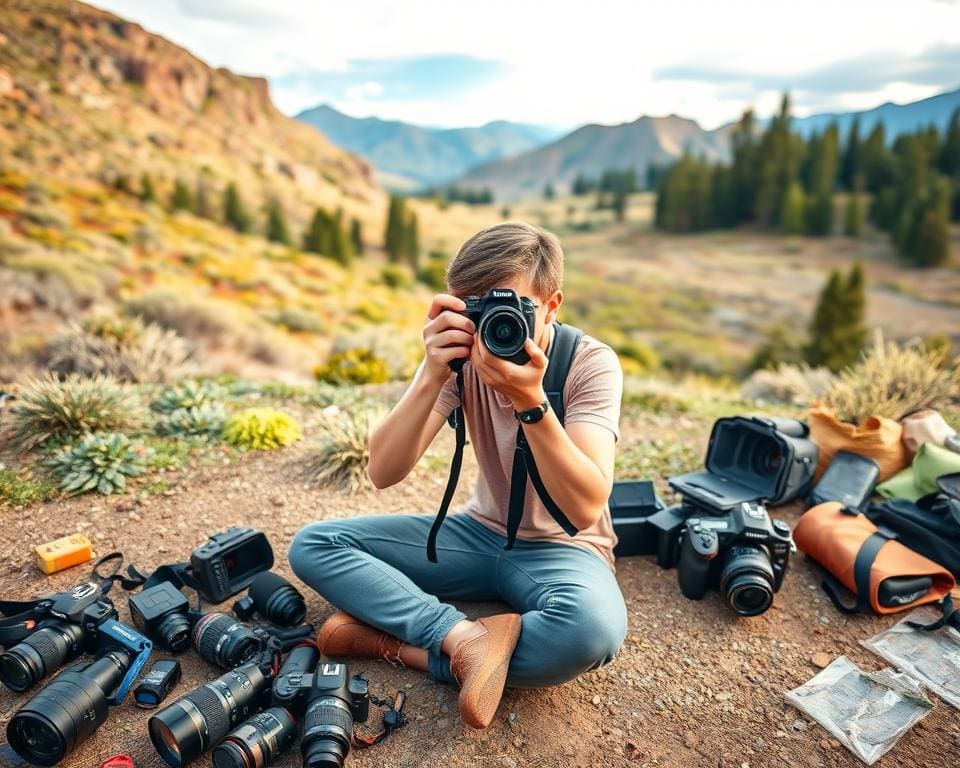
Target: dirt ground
(692, 686)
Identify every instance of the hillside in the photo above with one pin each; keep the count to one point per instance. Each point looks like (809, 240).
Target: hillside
(594, 148)
(408, 156)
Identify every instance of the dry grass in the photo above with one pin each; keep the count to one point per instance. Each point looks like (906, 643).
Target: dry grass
(791, 384)
(341, 459)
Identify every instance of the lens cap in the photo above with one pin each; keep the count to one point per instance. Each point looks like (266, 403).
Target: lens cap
(118, 761)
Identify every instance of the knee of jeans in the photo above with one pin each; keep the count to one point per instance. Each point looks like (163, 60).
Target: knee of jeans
(310, 541)
(595, 636)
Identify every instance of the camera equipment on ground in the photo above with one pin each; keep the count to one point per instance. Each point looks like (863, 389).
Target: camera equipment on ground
(161, 613)
(157, 684)
(222, 640)
(277, 600)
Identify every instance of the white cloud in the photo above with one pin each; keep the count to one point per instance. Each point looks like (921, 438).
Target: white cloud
(565, 62)
(368, 90)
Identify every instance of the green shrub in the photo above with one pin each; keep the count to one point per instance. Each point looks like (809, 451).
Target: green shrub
(340, 462)
(187, 394)
(16, 490)
(301, 320)
(396, 276)
(206, 419)
(47, 409)
(434, 274)
(353, 366)
(98, 462)
(262, 429)
(642, 357)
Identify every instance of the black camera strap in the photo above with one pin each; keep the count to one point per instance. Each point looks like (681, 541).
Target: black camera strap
(563, 348)
(178, 574)
(21, 617)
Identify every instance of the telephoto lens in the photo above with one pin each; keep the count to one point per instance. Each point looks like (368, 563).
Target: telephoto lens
(224, 641)
(746, 581)
(64, 714)
(42, 652)
(258, 742)
(277, 600)
(196, 722)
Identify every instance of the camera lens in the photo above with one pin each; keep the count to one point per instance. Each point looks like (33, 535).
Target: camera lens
(224, 641)
(39, 654)
(766, 458)
(503, 331)
(174, 632)
(327, 733)
(258, 742)
(194, 723)
(59, 718)
(746, 581)
(277, 600)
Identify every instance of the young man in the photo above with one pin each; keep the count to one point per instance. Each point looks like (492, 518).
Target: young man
(569, 614)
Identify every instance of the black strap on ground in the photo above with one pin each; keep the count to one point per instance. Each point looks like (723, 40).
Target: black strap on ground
(950, 615)
(861, 574)
(458, 422)
(178, 574)
(21, 618)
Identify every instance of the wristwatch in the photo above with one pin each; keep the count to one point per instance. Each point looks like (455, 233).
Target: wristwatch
(532, 415)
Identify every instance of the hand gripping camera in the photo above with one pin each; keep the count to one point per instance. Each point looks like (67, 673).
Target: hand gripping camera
(742, 553)
(504, 321)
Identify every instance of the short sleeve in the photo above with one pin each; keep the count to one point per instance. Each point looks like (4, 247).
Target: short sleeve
(447, 400)
(595, 387)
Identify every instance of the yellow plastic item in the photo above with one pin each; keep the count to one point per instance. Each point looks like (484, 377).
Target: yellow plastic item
(70, 550)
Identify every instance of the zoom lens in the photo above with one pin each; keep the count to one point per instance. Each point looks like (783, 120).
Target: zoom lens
(327, 733)
(258, 742)
(194, 723)
(503, 331)
(41, 653)
(64, 714)
(224, 641)
(746, 581)
(277, 600)
(174, 632)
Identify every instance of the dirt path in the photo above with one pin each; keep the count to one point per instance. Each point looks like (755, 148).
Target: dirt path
(693, 686)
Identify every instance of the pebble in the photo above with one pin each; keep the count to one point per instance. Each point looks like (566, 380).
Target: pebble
(820, 660)
(690, 740)
(507, 762)
(725, 696)
(799, 725)
(595, 699)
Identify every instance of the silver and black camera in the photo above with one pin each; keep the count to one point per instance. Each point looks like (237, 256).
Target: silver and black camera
(504, 321)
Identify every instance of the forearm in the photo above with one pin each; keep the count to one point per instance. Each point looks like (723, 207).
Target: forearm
(571, 478)
(395, 444)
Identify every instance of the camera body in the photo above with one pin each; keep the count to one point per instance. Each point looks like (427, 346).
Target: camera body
(504, 321)
(161, 613)
(741, 552)
(228, 562)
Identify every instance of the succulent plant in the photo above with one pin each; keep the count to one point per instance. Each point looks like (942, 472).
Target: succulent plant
(98, 462)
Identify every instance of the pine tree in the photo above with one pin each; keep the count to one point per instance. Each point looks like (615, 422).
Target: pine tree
(620, 203)
(931, 239)
(853, 217)
(850, 165)
(276, 229)
(234, 212)
(356, 235)
(837, 332)
(411, 241)
(342, 250)
(793, 210)
(949, 158)
(318, 237)
(147, 193)
(181, 199)
(201, 200)
(548, 191)
(396, 222)
(819, 214)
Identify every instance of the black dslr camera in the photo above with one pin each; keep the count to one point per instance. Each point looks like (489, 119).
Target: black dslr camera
(504, 321)
(741, 552)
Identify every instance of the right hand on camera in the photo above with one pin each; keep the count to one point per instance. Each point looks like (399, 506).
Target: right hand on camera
(447, 336)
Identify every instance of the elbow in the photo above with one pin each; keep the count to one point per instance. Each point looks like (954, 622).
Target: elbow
(378, 477)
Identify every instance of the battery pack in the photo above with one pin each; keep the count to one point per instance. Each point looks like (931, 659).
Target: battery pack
(63, 553)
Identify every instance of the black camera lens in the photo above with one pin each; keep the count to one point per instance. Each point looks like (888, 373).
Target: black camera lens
(224, 641)
(39, 654)
(277, 600)
(174, 632)
(765, 458)
(64, 714)
(746, 581)
(503, 331)
(194, 723)
(258, 742)
(327, 733)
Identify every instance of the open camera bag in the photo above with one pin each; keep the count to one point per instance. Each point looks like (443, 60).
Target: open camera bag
(860, 556)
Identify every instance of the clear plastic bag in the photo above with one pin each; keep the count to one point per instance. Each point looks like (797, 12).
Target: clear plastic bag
(866, 711)
(933, 657)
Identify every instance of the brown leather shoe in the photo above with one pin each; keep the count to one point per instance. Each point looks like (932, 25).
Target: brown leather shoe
(343, 636)
(480, 666)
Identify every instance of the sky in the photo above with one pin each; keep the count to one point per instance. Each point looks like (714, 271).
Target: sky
(563, 64)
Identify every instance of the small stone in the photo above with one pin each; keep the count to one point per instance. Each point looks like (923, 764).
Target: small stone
(690, 740)
(799, 725)
(725, 696)
(820, 660)
(443, 723)
(824, 620)
(824, 743)
(507, 762)
(595, 699)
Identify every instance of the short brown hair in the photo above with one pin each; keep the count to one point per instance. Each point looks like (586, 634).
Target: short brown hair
(503, 252)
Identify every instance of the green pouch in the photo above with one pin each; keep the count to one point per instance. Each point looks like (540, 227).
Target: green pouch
(920, 478)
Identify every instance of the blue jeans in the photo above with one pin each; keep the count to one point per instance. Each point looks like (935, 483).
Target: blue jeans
(375, 567)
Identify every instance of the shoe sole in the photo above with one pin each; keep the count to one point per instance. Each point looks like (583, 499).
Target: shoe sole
(478, 710)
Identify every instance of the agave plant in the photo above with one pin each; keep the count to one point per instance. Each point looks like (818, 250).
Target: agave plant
(205, 419)
(98, 462)
(48, 410)
(341, 459)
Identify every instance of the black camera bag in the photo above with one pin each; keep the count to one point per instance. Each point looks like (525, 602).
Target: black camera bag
(752, 458)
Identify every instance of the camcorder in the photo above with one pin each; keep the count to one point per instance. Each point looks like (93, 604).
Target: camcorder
(504, 321)
(720, 536)
(229, 561)
(68, 710)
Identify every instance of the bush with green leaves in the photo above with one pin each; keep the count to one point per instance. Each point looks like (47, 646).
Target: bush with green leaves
(20, 488)
(205, 419)
(359, 365)
(98, 462)
(188, 394)
(341, 459)
(50, 410)
(262, 429)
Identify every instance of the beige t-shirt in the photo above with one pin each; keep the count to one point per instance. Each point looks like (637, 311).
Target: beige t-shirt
(592, 393)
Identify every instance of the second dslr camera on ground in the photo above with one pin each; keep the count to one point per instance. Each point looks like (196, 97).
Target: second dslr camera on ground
(720, 536)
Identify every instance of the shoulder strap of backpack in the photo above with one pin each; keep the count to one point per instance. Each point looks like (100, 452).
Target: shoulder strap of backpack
(563, 348)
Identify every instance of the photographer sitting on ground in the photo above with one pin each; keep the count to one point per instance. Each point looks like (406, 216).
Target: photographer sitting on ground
(571, 616)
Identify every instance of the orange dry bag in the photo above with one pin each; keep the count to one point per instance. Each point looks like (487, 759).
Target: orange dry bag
(885, 576)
